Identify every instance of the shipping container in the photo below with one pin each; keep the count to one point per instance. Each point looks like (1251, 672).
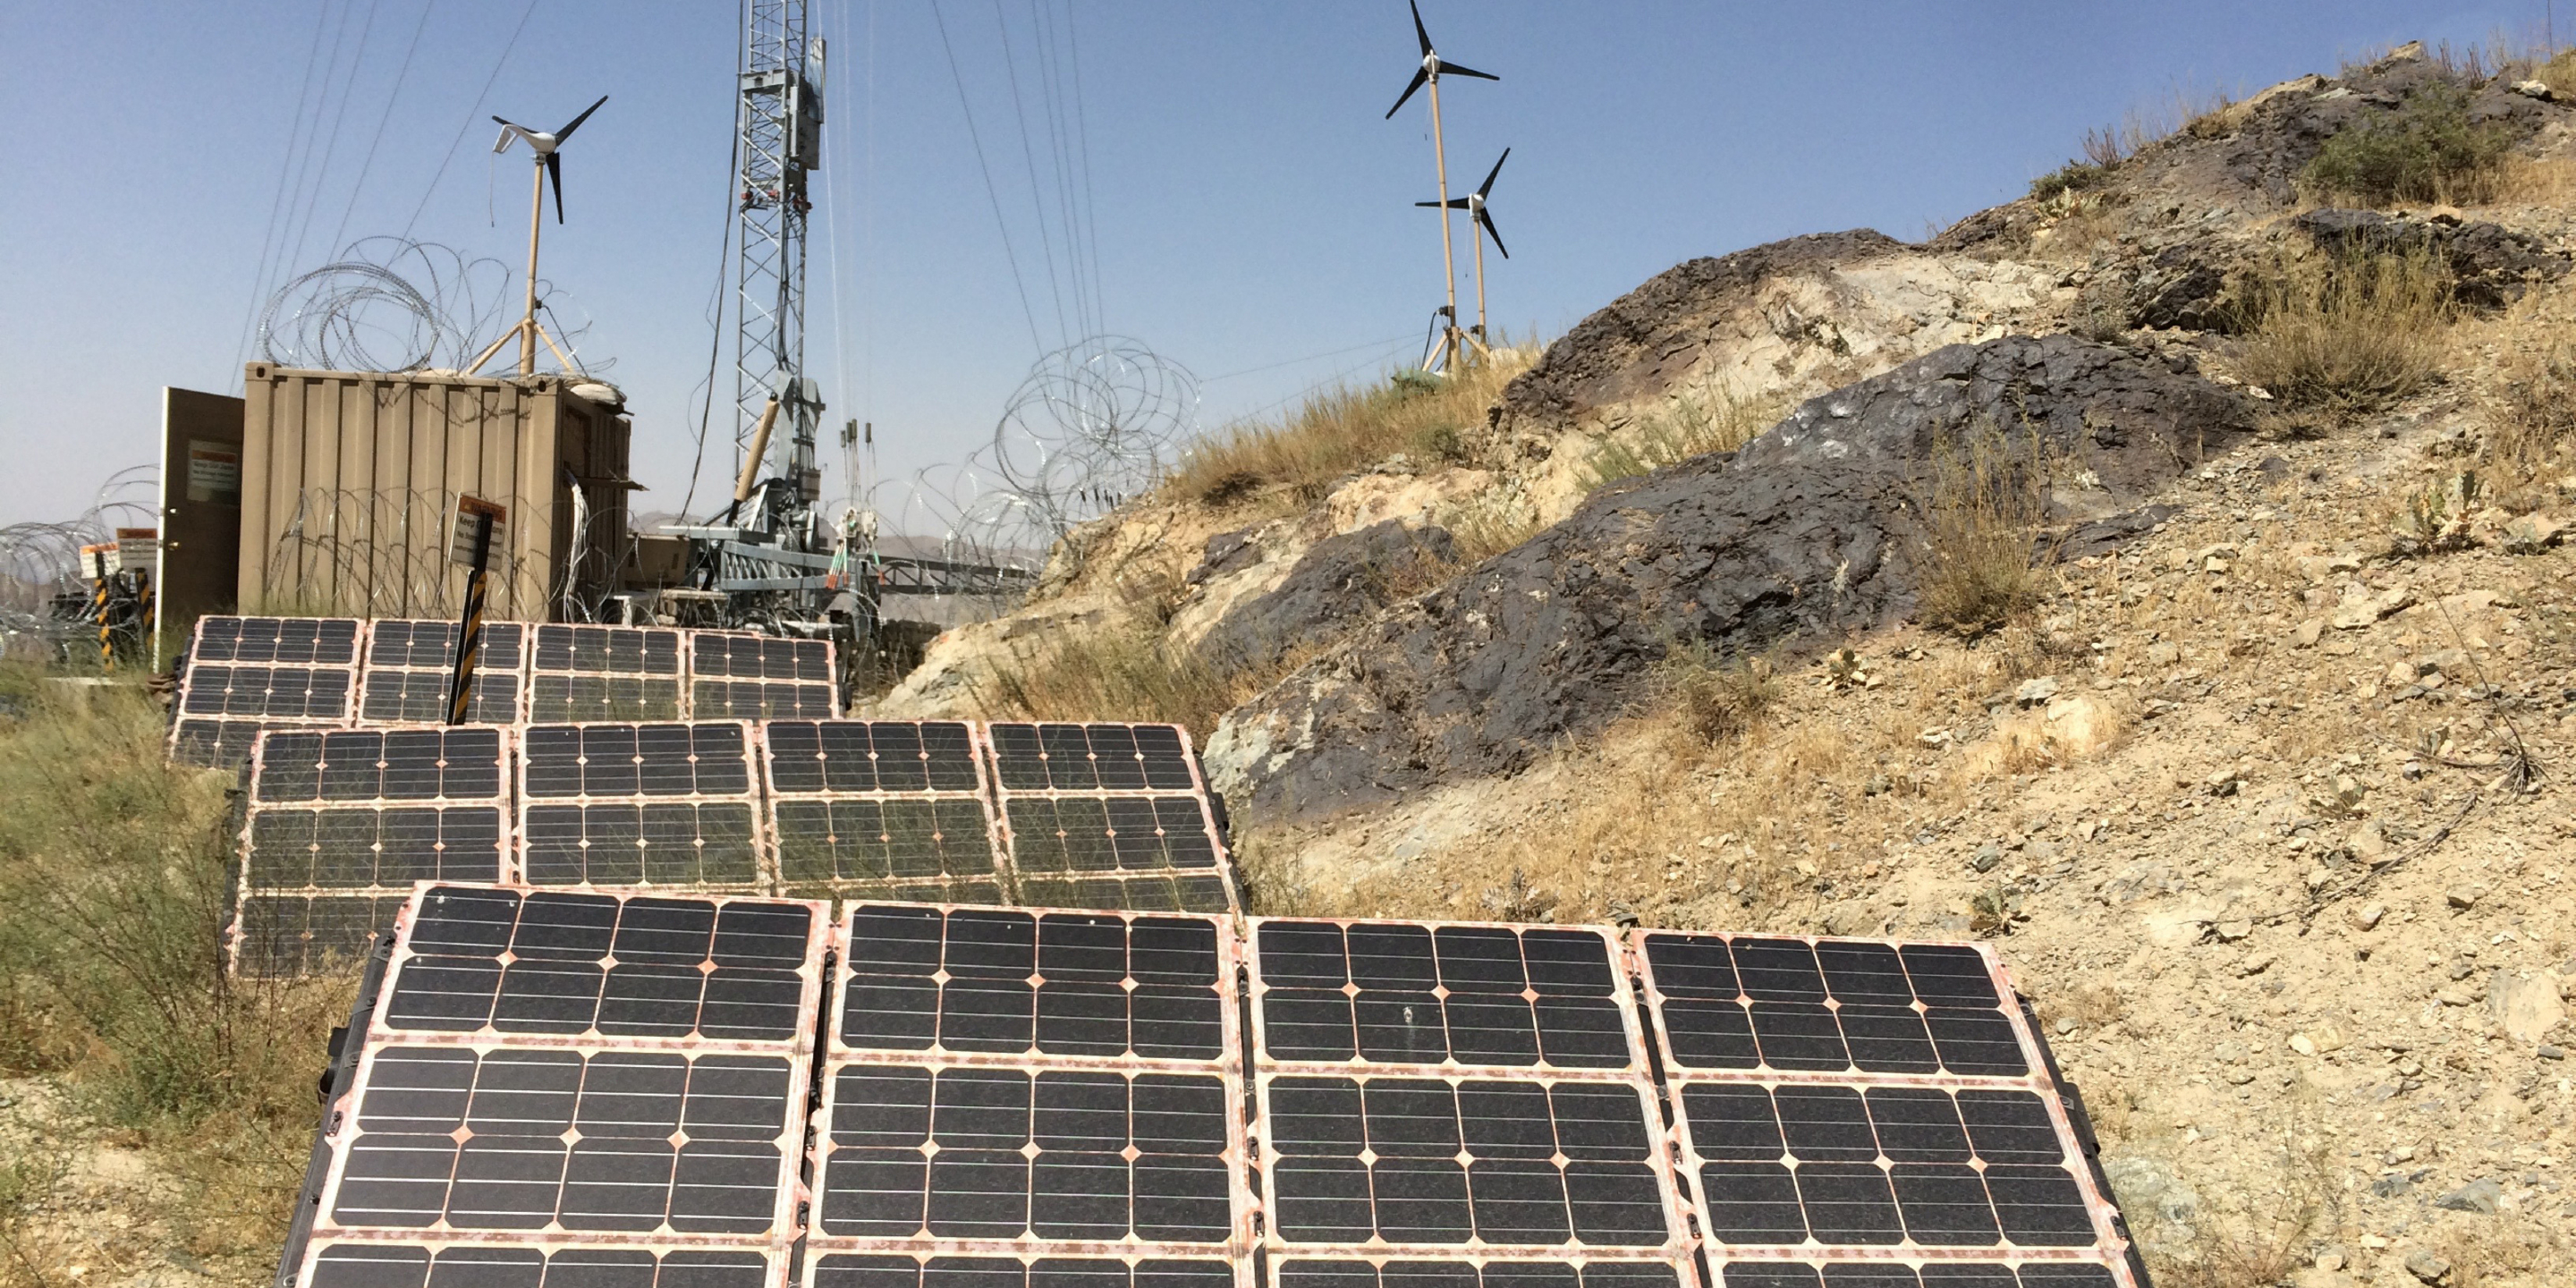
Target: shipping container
(350, 481)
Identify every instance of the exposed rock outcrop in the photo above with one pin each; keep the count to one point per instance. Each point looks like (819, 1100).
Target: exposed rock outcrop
(1810, 531)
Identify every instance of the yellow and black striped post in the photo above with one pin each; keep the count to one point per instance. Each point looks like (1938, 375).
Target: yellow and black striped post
(98, 608)
(469, 635)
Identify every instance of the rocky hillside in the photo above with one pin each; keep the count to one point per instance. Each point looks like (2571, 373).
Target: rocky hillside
(2252, 746)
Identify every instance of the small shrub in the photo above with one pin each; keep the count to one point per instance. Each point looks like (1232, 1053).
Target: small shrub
(1709, 417)
(2426, 150)
(1719, 700)
(2074, 176)
(1978, 525)
(2351, 335)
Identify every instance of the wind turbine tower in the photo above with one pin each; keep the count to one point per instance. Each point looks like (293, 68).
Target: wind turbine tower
(1452, 340)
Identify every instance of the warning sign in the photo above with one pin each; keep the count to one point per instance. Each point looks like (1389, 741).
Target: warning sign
(102, 560)
(470, 513)
(214, 472)
(138, 547)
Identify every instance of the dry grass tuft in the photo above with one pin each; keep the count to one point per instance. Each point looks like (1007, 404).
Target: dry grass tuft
(1339, 430)
(1978, 523)
(1709, 416)
(1127, 671)
(2351, 335)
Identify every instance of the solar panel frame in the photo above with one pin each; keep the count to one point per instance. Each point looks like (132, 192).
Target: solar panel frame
(556, 661)
(1221, 1066)
(2107, 1245)
(1272, 1073)
(539, 807)
(381, 1056)
(787, 796)
(1019, 796)
(277, 794)
(401, 679)
(227, 650)
(730, 671)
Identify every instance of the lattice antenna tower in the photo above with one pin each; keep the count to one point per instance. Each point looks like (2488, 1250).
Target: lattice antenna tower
(780, 119)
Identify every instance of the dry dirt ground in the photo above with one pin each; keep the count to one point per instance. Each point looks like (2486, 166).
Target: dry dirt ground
(2246, 814)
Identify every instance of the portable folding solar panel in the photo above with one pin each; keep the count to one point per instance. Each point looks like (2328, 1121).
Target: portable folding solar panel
(561, 1088)
(1457, 1104)
(578, 673)
(1869, 1112)
(884, 809)
(245, 674)
(339, 825)
(619, 805)
(410, 665)
(1108, 816)
(757, 677)
(1019, 1099)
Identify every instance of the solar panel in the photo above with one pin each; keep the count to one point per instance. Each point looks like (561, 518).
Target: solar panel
(880, 809)
(1843, 1102)
(757, 677)
(1433, 1093)
(1024, 1097)
(493, 1134)
(581, 673)
(1108, 816)
(245, 674)
(339, 824)
(640, 805)
(410, 663)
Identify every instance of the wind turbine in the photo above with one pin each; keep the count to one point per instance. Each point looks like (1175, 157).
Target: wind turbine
(1474, 204)
(1429, 73)
(549, 166)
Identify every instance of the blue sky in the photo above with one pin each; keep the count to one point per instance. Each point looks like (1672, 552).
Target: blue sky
(1248, 208)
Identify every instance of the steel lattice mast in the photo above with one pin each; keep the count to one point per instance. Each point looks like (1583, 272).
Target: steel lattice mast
(781, 139)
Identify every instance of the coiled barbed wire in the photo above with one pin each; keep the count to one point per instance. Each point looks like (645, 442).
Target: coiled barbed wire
(41, 560)
(394, 304)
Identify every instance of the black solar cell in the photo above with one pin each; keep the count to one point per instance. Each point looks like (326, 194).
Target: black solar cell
(724, 655)
(215, 744)
(1095, 815)
(514, 1139)
(1881, 1166)
(1458, 995)
(341, 823)
(288, 641)
(1899, 1274)
(411, 663)
(650, 804)
(307, 934)
(1092, 757)
(888, 810)
(1051, 984)
(1746, 1002)
(761, 700)
(1307, 1272)
(910, 1270)
(1512, 1163)
(1056, 1154)
(737, 970)
(556, 1265)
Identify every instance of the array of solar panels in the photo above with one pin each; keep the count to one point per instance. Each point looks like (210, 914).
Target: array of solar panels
(339, 823)
(246, 674)
(611, 1089)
